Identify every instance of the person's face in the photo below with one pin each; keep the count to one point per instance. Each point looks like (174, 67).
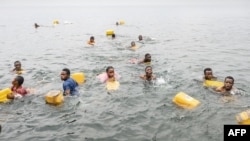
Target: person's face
(140, 37)
(132, 43)
(111, 73)
(208, 75)
(64, 75)
(92, 39)
(18, 65)
(149, 71)
(148, 58)
(228, 84)
(14, 82)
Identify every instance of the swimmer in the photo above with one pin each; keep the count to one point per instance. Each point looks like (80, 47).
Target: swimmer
(227, 88)
(18, 91)
(140, 38)
(113, 36)
(148, 74)
(109, 75)
(70, 86)
(208, 74)
(18, 67)
(117, 23)
(147, 59)
(36, 25)
(91, 40)
(133, 46)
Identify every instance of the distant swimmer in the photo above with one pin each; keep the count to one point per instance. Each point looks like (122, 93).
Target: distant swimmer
(117, 23)
(36, 25)
(146, 60)
(113, 36)
(18, 67)
(91, 40)
(148, 74)
(228, 87)
(133, 46)
(140, 38)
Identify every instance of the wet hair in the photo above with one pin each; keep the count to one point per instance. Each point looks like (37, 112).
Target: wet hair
(113, 35)
(36, 25)
(17, 62)
(207, 69)
(19, 80)
(147, 68)
(108, 68)
(66, 70)
(133, 42)
(146, 54)
(229, 77)
(140, 36)
(92, 37)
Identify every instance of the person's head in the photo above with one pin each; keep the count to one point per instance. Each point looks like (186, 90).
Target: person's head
(147, 57)
(18, 81)
(113, 36)
(110, 71)
(92, 39)
(148, 71)
(65, 74)
(36, 25)
(133, 43)
(117, 23)
(208, 73)
(140, 37)
(228, 83)
(17, 65)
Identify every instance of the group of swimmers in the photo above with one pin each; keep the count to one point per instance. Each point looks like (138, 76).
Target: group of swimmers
(226, 89)
(70, 86)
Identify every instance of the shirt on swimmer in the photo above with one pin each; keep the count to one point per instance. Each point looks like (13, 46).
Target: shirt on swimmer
(72, 85)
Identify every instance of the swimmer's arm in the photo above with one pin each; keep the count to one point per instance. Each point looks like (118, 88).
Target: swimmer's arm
(153, 77)
(142, 77)
(67, 92)
(214, 78)
(141, 61)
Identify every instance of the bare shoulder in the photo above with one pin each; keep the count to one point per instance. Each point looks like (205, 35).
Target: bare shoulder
(143, 77)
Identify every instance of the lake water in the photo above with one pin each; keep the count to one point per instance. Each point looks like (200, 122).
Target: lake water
(185, 37)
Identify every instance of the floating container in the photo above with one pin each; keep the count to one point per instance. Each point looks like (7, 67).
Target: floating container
(185, 101)
(109, 32)
(78, 77)
(121, 22)
(54, 97)
(3, 95)
(243, 118)
(112, 85)
(210, 83)
(55, 22)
